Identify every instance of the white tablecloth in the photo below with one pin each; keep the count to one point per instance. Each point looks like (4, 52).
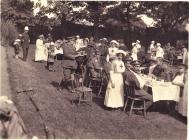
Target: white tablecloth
(163, 90)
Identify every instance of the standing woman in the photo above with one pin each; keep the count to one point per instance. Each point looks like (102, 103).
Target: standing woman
(112, 50)
(114, 97)
(134, 52)
(40, 49)
(181, 79)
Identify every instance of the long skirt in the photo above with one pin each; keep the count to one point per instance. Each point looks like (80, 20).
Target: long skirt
(183, 103)
(41, 54)
(114, 97)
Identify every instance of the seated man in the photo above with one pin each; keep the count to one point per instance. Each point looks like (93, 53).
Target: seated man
(132, 78)
(94, 65)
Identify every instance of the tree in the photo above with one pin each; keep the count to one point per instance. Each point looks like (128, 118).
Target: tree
(168, 14)
(20, 12)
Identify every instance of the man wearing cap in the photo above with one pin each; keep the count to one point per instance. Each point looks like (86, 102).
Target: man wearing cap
(69, 63)
(132, 78)
(95, 65)
(103, 48)
(25, 43)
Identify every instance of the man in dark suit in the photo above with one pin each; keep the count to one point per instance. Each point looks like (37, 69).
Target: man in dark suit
(69, 64)
(25, 43)
(131, 80)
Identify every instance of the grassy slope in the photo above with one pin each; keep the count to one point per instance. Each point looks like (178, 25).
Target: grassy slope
(69, 121)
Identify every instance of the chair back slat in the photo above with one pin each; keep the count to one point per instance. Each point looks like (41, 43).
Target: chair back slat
(130, 92)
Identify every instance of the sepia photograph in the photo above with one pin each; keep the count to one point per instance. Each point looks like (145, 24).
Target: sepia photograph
(94, 69)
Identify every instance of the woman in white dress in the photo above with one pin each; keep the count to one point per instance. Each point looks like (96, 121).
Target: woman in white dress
(114, 97)
(181, 80)
(112, 50)
(40, 52)
(134, 52)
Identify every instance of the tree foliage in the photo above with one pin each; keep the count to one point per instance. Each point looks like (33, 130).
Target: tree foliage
(168, 14)
(20, 12)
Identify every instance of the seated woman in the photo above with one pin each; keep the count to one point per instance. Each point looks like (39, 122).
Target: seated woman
(181, 80)
(114, 97)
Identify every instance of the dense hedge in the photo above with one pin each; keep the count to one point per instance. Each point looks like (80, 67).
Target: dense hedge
(8, 32)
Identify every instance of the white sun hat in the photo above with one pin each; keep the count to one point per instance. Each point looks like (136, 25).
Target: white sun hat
(26, 28)
(52, 44)
(115, 42)
(122, 52)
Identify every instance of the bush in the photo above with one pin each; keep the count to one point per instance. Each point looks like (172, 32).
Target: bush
(8, 32)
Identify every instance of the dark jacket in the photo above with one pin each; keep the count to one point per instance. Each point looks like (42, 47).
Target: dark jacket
(69, 57)
(25, 40)
(131, 80)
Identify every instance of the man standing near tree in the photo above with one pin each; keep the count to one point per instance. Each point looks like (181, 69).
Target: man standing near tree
(25, 43)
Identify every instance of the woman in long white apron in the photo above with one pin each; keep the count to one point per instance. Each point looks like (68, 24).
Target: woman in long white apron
(40, 52)
(134, 52)
(114, 97)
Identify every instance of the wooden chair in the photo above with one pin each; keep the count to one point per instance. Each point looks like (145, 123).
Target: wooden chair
(130, 93)
(97, 82)
(81, 93)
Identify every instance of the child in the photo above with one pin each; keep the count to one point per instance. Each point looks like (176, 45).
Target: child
(17, 47)
(51, 57)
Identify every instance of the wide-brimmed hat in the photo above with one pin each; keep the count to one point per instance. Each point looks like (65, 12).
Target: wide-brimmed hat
(6, 105)
(138, 41)
(17, 40)
(115, 42)
(121, 52)
(41, 36)
(59, 41)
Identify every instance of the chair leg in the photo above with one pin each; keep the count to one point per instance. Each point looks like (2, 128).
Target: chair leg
(100, 90)
(91, 96)
(80, 96)
(144, 102)
(89, 84)
(125, 105)
(131, 109)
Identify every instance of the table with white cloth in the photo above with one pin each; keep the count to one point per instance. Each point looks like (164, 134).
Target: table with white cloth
(162, 90)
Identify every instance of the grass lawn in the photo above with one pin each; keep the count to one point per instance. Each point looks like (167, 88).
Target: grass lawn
(70, 121)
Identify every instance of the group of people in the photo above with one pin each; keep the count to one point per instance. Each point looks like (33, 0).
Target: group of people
(23, 42)
(121, 66)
